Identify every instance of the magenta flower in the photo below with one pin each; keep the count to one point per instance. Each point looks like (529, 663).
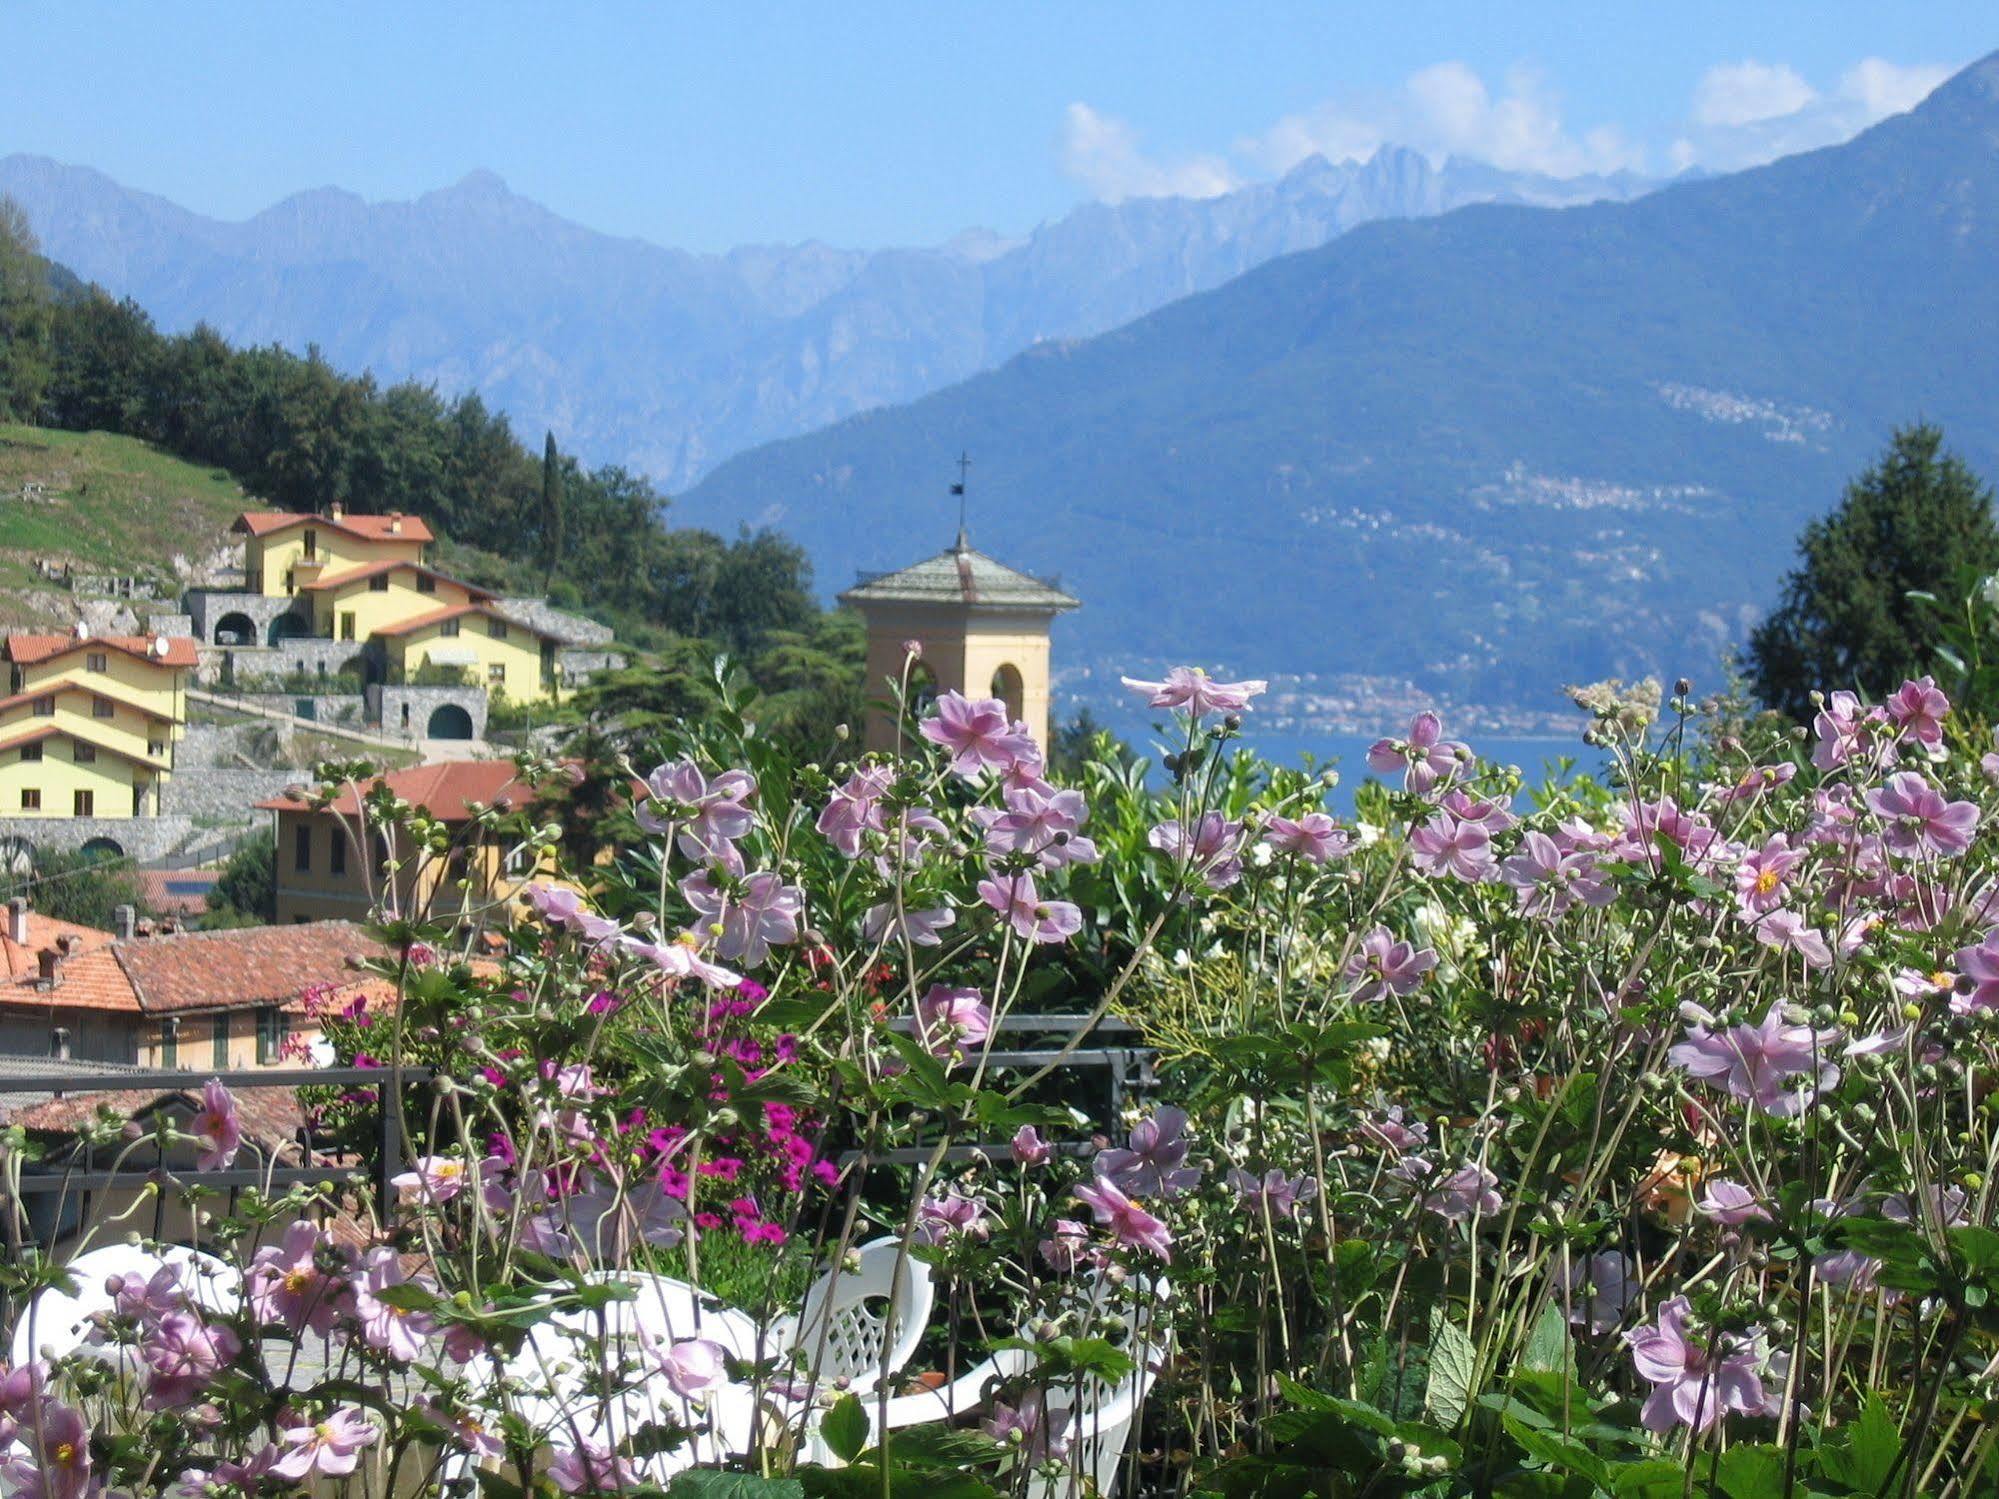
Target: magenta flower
(921, 928)
(300, 1281)
(557, 905)
(1469, 1191)
(1841, 729)
(435, 1178)
(681, 958)
(1789, 932)
(709, 815)
(1755, 781)
(1980, 964)
(182, 1354)
(955, 1214)
(692, 1366)
(1695, 1376)
(1548, 881)
(1190, 688)
(1386, 965)
(1762, 879)
(855, 809)
(1444, 845)
(1153, 1165)
(1495, 814)
(217, 1127)
(590, 1467)
(1213, 855)
(1918, 709)
(951, 1020)
(1394, 1133)
(330, 1446)
(1778, 1067)
(754, 913)
(1067, 1246)
(1597, 1290)
(1918, 822)
(1040, 821)
(977, 735)
(1314, 837)
(56, 1462)
(396, 1330)
(1033, 919)
(145, 1299)
(1131, 1225)
(1426, 758)
(1729, 1203)
(1273, 1192)
(1036, 1434)
(1029, 1149)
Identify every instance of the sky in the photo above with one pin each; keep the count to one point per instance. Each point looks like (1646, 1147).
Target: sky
(882, 123)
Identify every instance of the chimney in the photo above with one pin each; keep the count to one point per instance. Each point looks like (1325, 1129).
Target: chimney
(17, 920)
(127, 918)
(48, 968)
(395, 523)
(337, 510)
(66, 943)
(59, 1043)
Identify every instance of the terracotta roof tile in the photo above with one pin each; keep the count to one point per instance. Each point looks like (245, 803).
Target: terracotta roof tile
(29, 649)
(259, 965)
(271, 1117)
(445, 789)
(369, 527)
(177, 892)
(43, 931)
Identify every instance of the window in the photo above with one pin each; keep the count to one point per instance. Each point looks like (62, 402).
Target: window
(45, 706)
(30, 752)
(497, 673)
(254, 580)
(302, 847)
(449, 627)
(425, 583)
(270, 1035)
(219, 1057)
(519, 860)
(31, 799)
(156, 747)
(379, 583)
(170, 1042)
(311, 543)
(336, 853)
(497, 628)
(83, 804)
(346, 624)
(102, 707)
(96, 661)
(82, 753)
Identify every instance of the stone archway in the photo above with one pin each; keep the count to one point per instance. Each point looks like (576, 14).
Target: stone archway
(289, 626)
(448, 721)
(1009, 689)
(103, 848)
(235, 628)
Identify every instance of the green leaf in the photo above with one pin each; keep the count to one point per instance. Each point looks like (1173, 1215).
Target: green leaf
(1651, 1478)
(1453, 1370)
(1549, 1350)
(935, 1445)
(698, 1484)
(1561, 1453)
(1863, 1455)
(1752, 1472)
(845, 1429)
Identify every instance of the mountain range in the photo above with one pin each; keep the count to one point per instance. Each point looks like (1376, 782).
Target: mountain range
(1475, 455)
(670, 362)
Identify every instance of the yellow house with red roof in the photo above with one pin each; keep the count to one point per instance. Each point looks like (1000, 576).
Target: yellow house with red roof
(89, 723)
(285, 551)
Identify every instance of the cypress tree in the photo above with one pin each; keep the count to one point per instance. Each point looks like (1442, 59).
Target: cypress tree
(552, 519)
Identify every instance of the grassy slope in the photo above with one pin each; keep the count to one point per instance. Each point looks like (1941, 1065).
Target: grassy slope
(109, 504)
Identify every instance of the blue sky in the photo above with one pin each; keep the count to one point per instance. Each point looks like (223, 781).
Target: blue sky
(875, 123)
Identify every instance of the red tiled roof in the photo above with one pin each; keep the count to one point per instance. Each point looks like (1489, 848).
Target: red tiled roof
(258, 965)
(368, 527)
(190, 900)
(271, 1117)
(27, 650)
(445, 789)
(375, 569)
(35, 736)
(71, 686)
(43, 931)
(92, 980)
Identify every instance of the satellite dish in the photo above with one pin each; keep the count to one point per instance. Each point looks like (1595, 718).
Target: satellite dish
(161, 646)
(82, 630)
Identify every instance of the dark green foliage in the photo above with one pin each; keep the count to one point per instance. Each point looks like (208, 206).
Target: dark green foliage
(1083, 739)
(24, 316)
(248, 886)
(1917, 521)
(86, 888)
(551, 510)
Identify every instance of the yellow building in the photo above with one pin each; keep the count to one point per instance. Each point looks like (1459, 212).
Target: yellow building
(982, 626)
(360, 602)
(284, 552)
(89, 725)
(323, 874)
(493, 651)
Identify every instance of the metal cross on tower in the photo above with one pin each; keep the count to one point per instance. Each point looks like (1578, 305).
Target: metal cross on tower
(958, 489)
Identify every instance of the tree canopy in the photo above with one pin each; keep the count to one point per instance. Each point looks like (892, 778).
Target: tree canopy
(1916, 522)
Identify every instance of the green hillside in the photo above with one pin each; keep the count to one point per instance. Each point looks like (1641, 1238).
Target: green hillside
(102, 504)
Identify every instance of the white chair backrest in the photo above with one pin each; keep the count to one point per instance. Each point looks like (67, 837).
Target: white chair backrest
(1100, 1416)
(844, 1325)
(58, 1321)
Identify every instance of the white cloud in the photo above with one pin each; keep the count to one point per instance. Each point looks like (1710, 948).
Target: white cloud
(1103, 154)
(1447, 110)
(1741, 93)
(1746, 113)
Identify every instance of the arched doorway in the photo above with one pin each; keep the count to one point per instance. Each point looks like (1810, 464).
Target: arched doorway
(289, 626)
(235, 628)
(103, 848)
(448, 721)
(1006, 686)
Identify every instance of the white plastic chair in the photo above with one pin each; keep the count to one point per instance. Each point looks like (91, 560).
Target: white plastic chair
(59, 1321)
(845, 1324)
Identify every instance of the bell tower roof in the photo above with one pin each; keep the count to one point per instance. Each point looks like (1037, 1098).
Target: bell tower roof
(961, 576)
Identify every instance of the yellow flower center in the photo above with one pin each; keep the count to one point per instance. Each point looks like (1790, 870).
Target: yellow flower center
(296, 1281)
(65, 1454)
(1766, 881)
(1942, 980)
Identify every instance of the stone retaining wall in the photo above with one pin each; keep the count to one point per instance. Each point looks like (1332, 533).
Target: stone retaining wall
(210, 792)
(142, 838)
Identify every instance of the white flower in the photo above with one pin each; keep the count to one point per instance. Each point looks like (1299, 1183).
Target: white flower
(1366, 834)
(1260, 853)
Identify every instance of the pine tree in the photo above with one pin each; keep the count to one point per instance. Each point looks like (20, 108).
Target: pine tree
(1918, 520)
(551, 511)
(24, 317)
